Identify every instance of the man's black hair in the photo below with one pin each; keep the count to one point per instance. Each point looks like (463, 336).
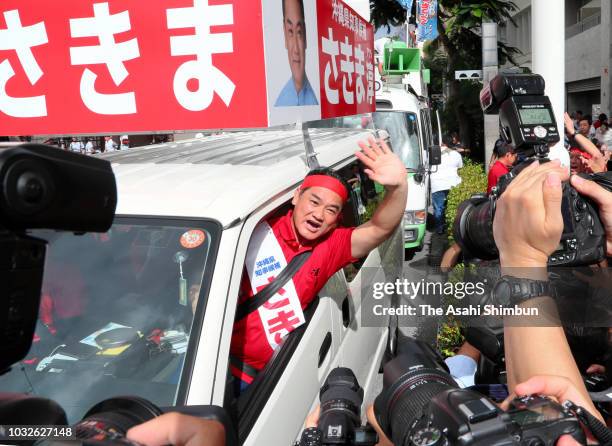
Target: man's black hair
(577, 111)
(602, 117)
(330, 173)
(502, 148)
(301, 2)
(587, 118)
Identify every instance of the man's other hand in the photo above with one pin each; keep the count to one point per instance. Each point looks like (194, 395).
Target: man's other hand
(382, 165)
(603, 198)
(178, 430)
(528, 224)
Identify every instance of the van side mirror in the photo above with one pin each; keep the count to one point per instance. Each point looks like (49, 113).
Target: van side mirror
(419, 175)
(383, 135)
(435, 155)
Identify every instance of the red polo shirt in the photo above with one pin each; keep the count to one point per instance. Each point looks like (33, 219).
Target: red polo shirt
(333, 252)
(497, 170)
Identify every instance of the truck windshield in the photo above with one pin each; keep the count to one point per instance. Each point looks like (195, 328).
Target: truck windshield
(116, 313)
(402, 128)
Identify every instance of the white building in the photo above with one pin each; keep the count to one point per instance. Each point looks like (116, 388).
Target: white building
(587, 54)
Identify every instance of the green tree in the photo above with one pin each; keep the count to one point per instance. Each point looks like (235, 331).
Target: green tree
(458, 47)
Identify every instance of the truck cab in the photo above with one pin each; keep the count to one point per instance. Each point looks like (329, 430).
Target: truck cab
(404, 113)
(148, 308)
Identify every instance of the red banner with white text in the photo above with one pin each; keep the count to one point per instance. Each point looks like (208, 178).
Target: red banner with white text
(120, 66)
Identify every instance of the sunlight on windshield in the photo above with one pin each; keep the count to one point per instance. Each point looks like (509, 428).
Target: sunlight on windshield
(402, 128)
(115, 315)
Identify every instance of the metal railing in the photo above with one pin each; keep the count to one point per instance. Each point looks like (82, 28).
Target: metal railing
(583, 25)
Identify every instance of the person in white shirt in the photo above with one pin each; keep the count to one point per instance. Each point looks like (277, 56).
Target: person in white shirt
(89, 147)
(109, 144)
(125, 142)
(442, 181)
(76, 146)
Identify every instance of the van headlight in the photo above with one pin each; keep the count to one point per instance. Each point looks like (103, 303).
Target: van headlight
(415, 217)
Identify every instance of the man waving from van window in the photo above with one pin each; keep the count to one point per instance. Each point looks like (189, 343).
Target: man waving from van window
(312, 225)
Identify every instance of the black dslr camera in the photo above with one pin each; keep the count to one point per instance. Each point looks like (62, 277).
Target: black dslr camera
(421, 405)
(45, 187)
(339, 420)
(527, 121)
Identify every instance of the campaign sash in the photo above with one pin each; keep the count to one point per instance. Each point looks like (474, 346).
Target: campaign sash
(282, 313)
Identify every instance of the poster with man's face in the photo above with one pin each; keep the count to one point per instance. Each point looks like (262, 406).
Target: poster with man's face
(291, 51)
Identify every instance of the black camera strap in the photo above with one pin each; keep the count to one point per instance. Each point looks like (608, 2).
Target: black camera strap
(252, 304)
(599, 430)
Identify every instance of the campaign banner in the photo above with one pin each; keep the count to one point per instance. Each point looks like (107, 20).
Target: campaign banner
(406, 4)
(346, 60)
(427, 20)
(118, 66)
(319, 60)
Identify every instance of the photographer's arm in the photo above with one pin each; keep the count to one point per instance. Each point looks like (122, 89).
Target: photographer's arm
(527, 229)
(597, 163)
(178, 430)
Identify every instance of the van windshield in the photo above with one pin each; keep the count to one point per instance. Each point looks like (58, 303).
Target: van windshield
(116, 313)
(401, 126)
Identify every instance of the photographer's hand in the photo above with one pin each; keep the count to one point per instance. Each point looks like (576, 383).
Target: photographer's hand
(382, 438)
(561, 389)
(178, 430)
(569, 125)
(527, 228)
(528, 222)
(603, 198)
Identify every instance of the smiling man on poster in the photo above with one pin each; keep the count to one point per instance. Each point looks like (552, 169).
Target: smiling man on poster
(297, 91)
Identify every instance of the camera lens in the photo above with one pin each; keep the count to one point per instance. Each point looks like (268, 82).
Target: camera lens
(114, 417)
(410, 381)
(30, 188)
(341, 398)
(473, 228)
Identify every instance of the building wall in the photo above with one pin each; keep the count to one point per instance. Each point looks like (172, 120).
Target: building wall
(588, 52)
(583, 55)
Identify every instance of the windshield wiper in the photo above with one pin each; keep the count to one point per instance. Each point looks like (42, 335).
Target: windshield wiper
(32, 390)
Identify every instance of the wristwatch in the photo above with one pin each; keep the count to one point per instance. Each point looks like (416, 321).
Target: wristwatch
(511, 291)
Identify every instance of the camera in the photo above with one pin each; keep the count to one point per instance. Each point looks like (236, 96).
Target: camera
(527, 121)
(339, 420)
(42, 187)
(421, 405)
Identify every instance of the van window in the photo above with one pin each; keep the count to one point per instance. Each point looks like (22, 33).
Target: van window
(401, 126)
(365, 198)
(116, 312)
(403, 130)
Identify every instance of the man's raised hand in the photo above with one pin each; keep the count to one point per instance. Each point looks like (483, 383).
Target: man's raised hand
(381, 164)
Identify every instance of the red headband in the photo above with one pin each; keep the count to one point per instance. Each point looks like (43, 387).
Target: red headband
(327, 182)
(582, 153)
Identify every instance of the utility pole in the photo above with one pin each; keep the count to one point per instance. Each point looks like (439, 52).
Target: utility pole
(490, 68)
(548, 52)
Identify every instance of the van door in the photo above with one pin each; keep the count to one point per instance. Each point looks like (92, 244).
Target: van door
(363, 339)
(273, 409)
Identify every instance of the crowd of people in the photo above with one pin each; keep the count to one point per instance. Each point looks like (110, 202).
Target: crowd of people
(92, 145)
(538, 359)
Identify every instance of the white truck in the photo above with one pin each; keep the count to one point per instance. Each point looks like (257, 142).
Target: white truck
(406, 116)
(148, 308)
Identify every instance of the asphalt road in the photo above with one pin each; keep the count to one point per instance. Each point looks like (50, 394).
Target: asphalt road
(422, 266)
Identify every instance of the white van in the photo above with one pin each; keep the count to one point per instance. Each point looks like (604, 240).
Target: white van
(407, 119)
(148, 308)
